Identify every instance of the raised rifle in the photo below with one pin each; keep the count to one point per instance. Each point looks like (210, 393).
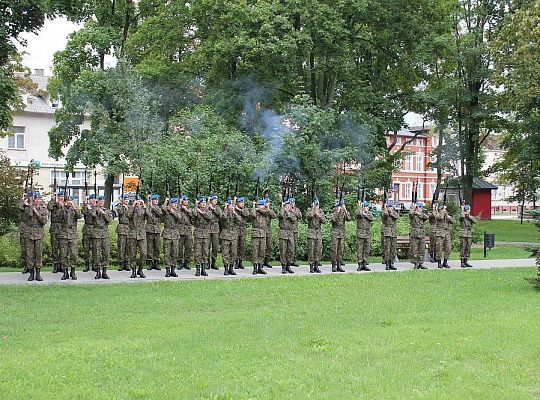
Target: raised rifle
(257, 188)
(95, 183)
(178, 189)
(66, 186)
(210, 185)
(197, 186)
(85, 184)
(123, 183)
(236, 187)
(460, 193)
(414, 189)
(266, 188)
(31, 166)
(55, 183)
(313, 195)
(167, 186)
(363, 190)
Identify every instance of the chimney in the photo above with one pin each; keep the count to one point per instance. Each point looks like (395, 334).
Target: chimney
(39, 72)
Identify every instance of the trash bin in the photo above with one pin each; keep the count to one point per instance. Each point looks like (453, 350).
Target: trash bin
(489, 242)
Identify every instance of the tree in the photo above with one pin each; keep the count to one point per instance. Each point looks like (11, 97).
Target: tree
(10, 193)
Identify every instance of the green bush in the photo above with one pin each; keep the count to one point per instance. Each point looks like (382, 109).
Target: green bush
(10, 251)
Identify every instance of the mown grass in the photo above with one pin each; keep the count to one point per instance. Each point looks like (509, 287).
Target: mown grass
(435, 334)
(510, 230)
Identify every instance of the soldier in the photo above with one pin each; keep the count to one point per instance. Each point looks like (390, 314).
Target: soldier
(259, 214)
(287, 220)
(241, 229)
(67, 234)
(364, 218)
(269, 246)
(389, 218)
(443, 220)
(315, 218)
(417, 218)
(36, 217)
(24, 230)
(432, 233)
(88, 205)
(137, 214)
(203, 219)
(338, 219)
(213, 230)
(466, 221)
(54, 206)
(230, 221)
(153, 232)
(185, 238)
(298, 215)
(101, 217)
(122, 230)
(170, 235)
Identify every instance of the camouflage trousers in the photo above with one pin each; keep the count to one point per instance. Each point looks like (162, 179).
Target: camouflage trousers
(213, 245)
(55, 244)
(87, 246)
(417, 249)
(338, 247)
(201, 247)
(465, 247)
(314, 250)
(137, 245)
(229, 249)
(432, 243)
(295, 247)
(286, 251)
(68, 253)
(241, 246)
(152, 246)
(444, 246)
(170, 249)
(24, 251)
(122, 244)
(269, 247)
(185, 247)
(100, 252)
(390, 248)
(34, 253)
(258, 250)
(363, 246)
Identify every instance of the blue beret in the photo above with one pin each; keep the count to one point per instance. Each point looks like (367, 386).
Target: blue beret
(261, 202)
(240, 200)
(101, 198)
(37, 195)
(184, 197)
(292, 200)
(202, 199)
(174, 200)
(155, 197)
(287, 201)
(467, 207)
(420, 204)
(389, 203)
(441, 206)
(213, 197)
(29, 193)
(365, 203)
(336, 203)
(341, 202)
(69, 198)
(315, 202)
(229, 200)
(267, 199)
(92, 196)
(126, 196)
(60, 193)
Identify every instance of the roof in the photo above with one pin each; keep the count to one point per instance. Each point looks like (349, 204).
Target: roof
(482, 184)
(418, 131)
(35, 103)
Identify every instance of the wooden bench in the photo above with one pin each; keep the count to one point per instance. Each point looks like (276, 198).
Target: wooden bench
(404, 244)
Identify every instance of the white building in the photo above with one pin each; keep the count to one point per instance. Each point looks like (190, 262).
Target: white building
(30, 141)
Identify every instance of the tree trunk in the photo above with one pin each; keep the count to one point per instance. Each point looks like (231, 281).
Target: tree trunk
(109, 181)
(313, 78)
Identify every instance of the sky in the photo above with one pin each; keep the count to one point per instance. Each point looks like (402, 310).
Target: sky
(53, 37)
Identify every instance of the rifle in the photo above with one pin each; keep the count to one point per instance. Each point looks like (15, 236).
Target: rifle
(313, 195)
(337, 187)
(210, 185)
(414, 189)
(95, 183)
(66, 186)
(363, 190)
(55, 184)
(257, 188)
(31, 166)
(122, 198)
(151, 181)
(341, 191)
(138, 187)
(197, 186)
(167, 186)
(236, 187)
(265, 191)
(445, 192)
(178, 186)
(85, 184)
(461, 202)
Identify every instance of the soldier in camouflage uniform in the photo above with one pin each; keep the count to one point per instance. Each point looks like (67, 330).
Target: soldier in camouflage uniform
(171, 234)
(101, 218)
(338, 219)
(287, 219)
(417, 218)
(241, 229)
(260, 213)
(389, 218)
(443, 220)
(298, 214)
(87, 231)
(269, 246)
(466, 222)
(122, 230)
(54, 206)
(364, 218)
(213, 230)
(69, 215)
(153, 232)
(137, 214)
(203, 219)
(315, 218)
(36, 215)
(185, 238)
(432, 234)
(23, 231)
(229, 236)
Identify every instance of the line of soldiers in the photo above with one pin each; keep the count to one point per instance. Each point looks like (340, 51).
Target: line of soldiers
(201, 230)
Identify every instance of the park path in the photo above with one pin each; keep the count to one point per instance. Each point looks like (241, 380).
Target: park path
(152, 276)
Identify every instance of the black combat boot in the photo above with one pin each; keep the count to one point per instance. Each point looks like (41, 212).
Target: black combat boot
(392, 266)
(415, 265)
(72, 274)
(467, 263)
(149, 264)
(432, 258)
(180, 264)
(86, 266)
(317, 270)
(98, 273)
(141, 273)
(236, 262)
(283, 269)
(65, 275)
(231, 270)
(334, 269)
(255, 269)
(225, 269)
(213, 264)
(439, 265)
(156, 265)
(203, 270)
(387, 265)
(462, 262)
(240, 265)
(339, 268)
(197, 270)
(55, 268)
(173, 272)
(120, 266)
(289, 270)
(364, 267)
(167, 272)
(421, 266)
(445, 263)
(126, 266)
(311, 268)
(38, 275)
(104, 273)
(260, 270)
(32, 272)
(186, 265)
(133, 272)
(359, 267)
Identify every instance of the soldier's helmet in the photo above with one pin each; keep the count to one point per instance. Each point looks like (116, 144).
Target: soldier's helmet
(213, 197)
(174, 200)
(201, 199)
(155, 197)
(229, 200)
(69, 198)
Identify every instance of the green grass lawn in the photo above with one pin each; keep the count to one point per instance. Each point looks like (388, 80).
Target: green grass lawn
(430, 334)
(510, 230)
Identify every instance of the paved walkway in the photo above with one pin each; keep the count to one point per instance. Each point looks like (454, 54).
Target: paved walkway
(152, 276)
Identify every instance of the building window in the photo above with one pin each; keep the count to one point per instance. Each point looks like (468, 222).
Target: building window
(398, 140)
(16, 139)
(432, 187)
(419, 142)
(420, 190)
(408, 190)
(408, 163)
(419, 163)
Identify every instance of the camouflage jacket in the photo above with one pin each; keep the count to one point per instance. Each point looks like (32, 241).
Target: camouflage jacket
(338, 219)
(123, 220)
(229, 225)
(56, 214)
(466, 222)
(185, 218)
(269, 217)
(68, 225)
(363, 223)
(101, 218)
(87, 227)
(153, 221)
(215, 215)
(298, 215)
(260, 222)
(443, 220)
(203, 219)
(36, 220)
(137, 222)
(241, 226)
(315, 219)
(389, 218)
(171, 223)
(287, 222)
(417, 219)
